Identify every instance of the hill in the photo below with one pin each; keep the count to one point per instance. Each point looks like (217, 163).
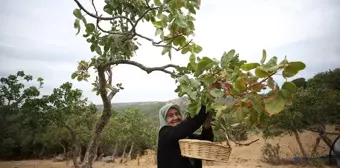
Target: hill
(149, 108)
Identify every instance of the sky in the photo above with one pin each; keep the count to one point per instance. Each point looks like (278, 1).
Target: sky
(37, 36)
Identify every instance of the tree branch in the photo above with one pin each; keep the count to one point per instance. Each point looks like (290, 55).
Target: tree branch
(101, 18)
(246, 144)
(132, 32)
(313, 130)
(144, 68)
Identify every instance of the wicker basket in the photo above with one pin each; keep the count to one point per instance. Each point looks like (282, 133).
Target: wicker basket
(204, 150)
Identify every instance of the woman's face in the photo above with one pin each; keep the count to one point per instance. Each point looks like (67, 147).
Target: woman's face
(173, 117)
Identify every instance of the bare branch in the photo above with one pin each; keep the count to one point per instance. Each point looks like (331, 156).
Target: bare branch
(131, 33)
(316, 130)
(112, 93)
(157, 44)
(246, 144)
(102, 18)
(144, 68)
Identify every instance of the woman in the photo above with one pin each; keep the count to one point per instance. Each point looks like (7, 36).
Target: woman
(173, 128)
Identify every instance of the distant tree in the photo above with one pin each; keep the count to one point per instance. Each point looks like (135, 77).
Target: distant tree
(313, 108)
(22, 116)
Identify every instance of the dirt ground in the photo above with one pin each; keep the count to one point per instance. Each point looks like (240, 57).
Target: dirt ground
(241, 156)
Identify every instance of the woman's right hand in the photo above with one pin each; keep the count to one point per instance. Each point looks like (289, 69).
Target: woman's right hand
(207, 122)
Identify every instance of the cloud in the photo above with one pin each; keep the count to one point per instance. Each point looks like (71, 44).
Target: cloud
(38, 37)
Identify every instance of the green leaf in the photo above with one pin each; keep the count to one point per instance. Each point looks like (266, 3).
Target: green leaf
(209, 79)
(241, 113)
(204, 64)
(181, 23)
(158, 31)
(180, 40)
(257, 103)
(158, 24)
(261, 73)
(197, 49)
(108, 9)
(191, 9)
(165, 50)
(253, 118)
(249, 66)
(264, 56)
(191, 25)
(240, 84)
(77, 13)
(74, 75)
(99, 50)
(271, 83)
(93, 47)
(293, 68)
(218, 106)
(275, 103)
(157, 2)
(90, 28)
(77, 26)
(290, 87)
(226, 58)
(184, 80)
(271, 63)
(185, 50)
(216, 93)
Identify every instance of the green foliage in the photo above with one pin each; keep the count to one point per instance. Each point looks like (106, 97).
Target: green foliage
(316, 104)
(214, 80)
(130, 126)
(35, 126)
(173, 22)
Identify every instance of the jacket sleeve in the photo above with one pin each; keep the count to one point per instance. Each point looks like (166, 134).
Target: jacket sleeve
(207, 134)
(187, 127)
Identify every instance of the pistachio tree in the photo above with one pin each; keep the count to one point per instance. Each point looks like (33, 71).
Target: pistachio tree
(173, 21)
(255, 93)
(174, 25)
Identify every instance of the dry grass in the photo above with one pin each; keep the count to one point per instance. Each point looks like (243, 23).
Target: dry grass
(241, 156)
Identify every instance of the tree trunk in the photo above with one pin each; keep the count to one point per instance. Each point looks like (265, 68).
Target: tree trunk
(64, 149)
(297, 137)
(101, 123)
(75, 147)
(130, 152)
(123, 155)
(316, 146)
(114, 153)
(42, 151)
(96, 153)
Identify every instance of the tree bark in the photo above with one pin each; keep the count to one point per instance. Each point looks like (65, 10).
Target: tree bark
(317, 142)
(75, 147)
(130, 152)
(114, 152)
(101, 123)
(297, 137)
(123, 155)
(96, 153)
(64, 149)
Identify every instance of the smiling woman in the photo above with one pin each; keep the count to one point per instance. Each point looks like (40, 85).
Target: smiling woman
(173, 128)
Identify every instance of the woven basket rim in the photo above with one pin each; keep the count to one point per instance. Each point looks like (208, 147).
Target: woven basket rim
(205, 141)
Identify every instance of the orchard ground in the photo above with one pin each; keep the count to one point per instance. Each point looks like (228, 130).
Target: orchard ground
(241, 157)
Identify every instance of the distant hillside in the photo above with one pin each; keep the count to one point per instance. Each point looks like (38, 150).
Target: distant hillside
(149, 108)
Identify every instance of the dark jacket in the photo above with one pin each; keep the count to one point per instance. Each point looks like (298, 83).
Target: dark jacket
(168, 152)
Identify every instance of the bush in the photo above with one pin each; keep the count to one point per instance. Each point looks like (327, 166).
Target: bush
(271, 153)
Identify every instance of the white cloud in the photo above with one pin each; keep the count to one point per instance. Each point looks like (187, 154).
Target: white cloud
(300, 29)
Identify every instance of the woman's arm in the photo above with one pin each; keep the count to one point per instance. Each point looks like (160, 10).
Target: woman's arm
(207, 134)
(171, 134)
